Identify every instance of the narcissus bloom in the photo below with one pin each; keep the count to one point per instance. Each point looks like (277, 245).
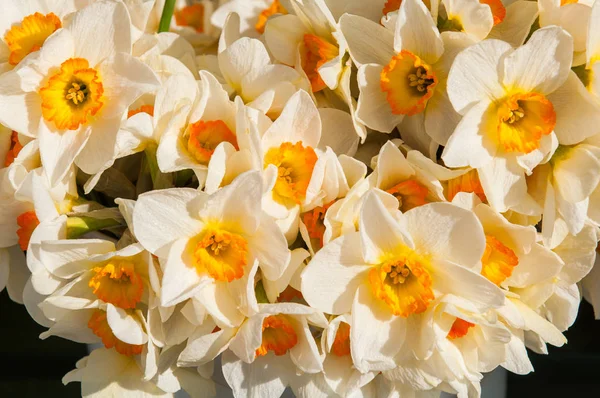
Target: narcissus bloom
(211, 246)
(393, 268)
(517, 107)
(72, 94)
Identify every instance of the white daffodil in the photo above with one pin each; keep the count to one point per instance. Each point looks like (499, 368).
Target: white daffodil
(72, 94)
(253, 14)
(25, 25)
(517, 106)
(211, 246)
(269, 345)
(393, 268)
(572, 16)
(402, 74)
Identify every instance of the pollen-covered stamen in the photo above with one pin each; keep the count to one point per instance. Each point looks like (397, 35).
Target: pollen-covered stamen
(27, 223)
(459, 329)
(118, 283)
(77, 93)
(29, 36)
(191, 16)
(263, 17)
(498, 260)
(410, 194)
(100, 327)
(221, 254)
(403, 283)
(295, 164)
(523, 119)
(408, 82)
(278, 335)
(341, 344)
(420, 79)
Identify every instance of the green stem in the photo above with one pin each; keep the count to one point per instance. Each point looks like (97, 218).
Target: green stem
(159, 180)
(78, 226)
(167, 14)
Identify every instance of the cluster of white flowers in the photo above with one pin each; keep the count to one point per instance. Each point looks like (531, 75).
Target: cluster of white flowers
(354, 198)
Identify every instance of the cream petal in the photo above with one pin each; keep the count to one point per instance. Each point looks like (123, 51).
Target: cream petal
(220, 304)
(101, 30)
(503, 182)
(373, 109)
(244, 57)
(368, 42)
(542, 64)
(101, 147)
(202, 348)
(417, 32)
(468, 85)
(333, 291)
(161, 217)
(124, 326)
(471, 144)
(443, 230)
(283, 34)
(376, 336)
(593, 38)
(516, 25)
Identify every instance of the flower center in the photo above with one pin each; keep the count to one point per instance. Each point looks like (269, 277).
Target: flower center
(410, 194)
(30, 35)
(498, 10)
(498, 261)
(221, 254)
(149, 109)
(73, 95)
(341, 344)
(27, 223)
(468, 182)
(295, 164)
(117, 283)
(13, 151)
(317, 52)
(459, 329)
(192, 16)
(99, 325)
(522, 121)
(408, 82)
(278, 335)
(263, 17)
(402, 283)
(205, 136)
(314, 221)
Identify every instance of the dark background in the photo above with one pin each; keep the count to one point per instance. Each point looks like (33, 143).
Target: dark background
(34, 368)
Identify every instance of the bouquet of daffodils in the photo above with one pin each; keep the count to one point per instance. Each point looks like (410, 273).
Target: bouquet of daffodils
(354, 198)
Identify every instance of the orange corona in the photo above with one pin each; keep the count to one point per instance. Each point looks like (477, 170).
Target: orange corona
(410, 194)
(205, 136)
(221, 254)
(117, 283)
(498, 261)
(318, 52)
(191, 16)
(314, 221)
(27, 223)
(29, 36)
(13, 151)
(341, 344)
(459, 329)
(408, 83)
(278, 335)
(274, 9)
(100, 327)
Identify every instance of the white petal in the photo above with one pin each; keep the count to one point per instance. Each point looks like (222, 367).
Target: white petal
(331, 278)
(161, 217)
(220, 304)
(470, 144)
(283, 34)
(468, 85)
(124, 326)
(266, 377)
(19, 110)
(368, 42)
(305, 353)
(201, 349)
(503, 182)
(100, 31)
(417, 32)
(180, 279)
(373, 108)
(373, 326)
(339, 133)
(516, 25)
(244, 57)
(576, 112)
(446, 231)
(100, 150)
(542, 64)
